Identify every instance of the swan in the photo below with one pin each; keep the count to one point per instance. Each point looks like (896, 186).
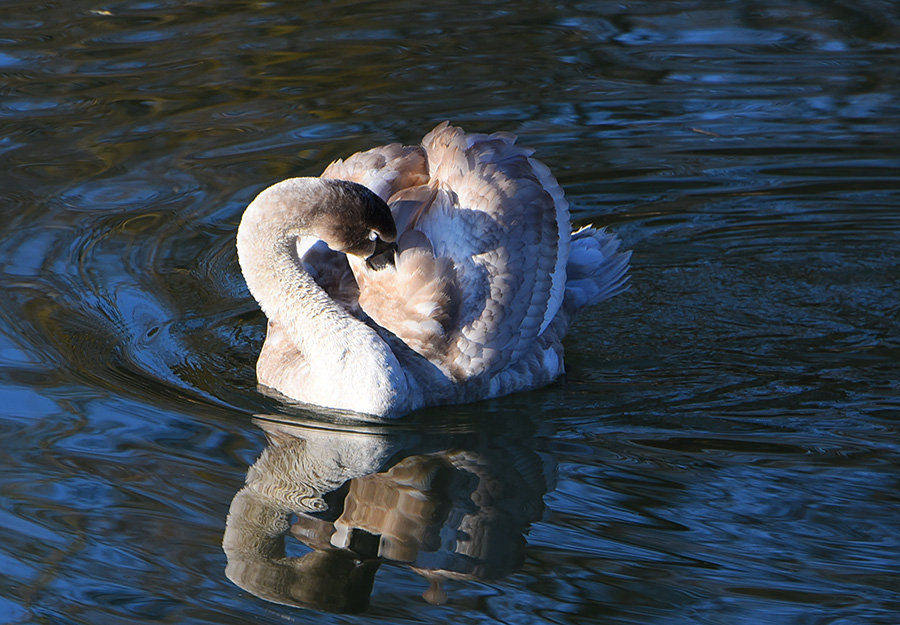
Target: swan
(412, 276)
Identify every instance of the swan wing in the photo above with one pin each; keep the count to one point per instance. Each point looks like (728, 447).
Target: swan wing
(502, 219)
(416, 299)
(384, 170)
(483, 240)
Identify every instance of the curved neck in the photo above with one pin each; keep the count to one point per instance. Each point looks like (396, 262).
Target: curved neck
(350, 367)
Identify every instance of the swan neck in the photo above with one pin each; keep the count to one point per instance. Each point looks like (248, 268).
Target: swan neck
(267, 252)
(350, 367)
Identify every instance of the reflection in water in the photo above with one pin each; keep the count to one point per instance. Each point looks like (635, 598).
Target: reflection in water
(450, 507)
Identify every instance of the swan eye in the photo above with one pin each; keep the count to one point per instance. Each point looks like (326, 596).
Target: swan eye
(373, 236)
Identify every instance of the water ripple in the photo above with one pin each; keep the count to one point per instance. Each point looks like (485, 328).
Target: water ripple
(726, 432)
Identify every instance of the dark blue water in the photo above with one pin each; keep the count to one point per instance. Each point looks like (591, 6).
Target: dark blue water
(723, 449)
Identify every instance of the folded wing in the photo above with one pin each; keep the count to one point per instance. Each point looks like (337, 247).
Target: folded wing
(484, 238)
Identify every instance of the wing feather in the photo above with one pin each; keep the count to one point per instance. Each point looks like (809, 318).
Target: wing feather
(502, 227)
(385, 170)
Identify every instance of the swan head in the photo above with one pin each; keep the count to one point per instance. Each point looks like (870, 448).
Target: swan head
(346, 216)
(353, 220)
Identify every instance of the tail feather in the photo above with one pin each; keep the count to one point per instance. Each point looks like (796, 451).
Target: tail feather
(596, 270)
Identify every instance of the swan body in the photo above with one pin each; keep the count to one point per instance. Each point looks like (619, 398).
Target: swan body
(408, 276)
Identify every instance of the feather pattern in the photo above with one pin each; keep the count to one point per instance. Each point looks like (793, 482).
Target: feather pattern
(502, 286)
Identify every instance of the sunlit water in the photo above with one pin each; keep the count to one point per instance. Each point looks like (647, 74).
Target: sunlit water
(724, 448)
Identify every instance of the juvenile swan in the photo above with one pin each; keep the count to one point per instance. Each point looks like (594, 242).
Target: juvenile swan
(413, 276)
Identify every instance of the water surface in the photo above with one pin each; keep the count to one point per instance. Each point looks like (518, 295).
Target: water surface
(724, 447)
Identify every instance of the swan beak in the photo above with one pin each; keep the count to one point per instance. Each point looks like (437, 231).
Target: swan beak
(382, 256)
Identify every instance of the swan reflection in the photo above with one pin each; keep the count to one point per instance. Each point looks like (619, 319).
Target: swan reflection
(449, 505)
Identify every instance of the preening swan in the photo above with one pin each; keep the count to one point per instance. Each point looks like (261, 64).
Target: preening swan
(409, 276)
